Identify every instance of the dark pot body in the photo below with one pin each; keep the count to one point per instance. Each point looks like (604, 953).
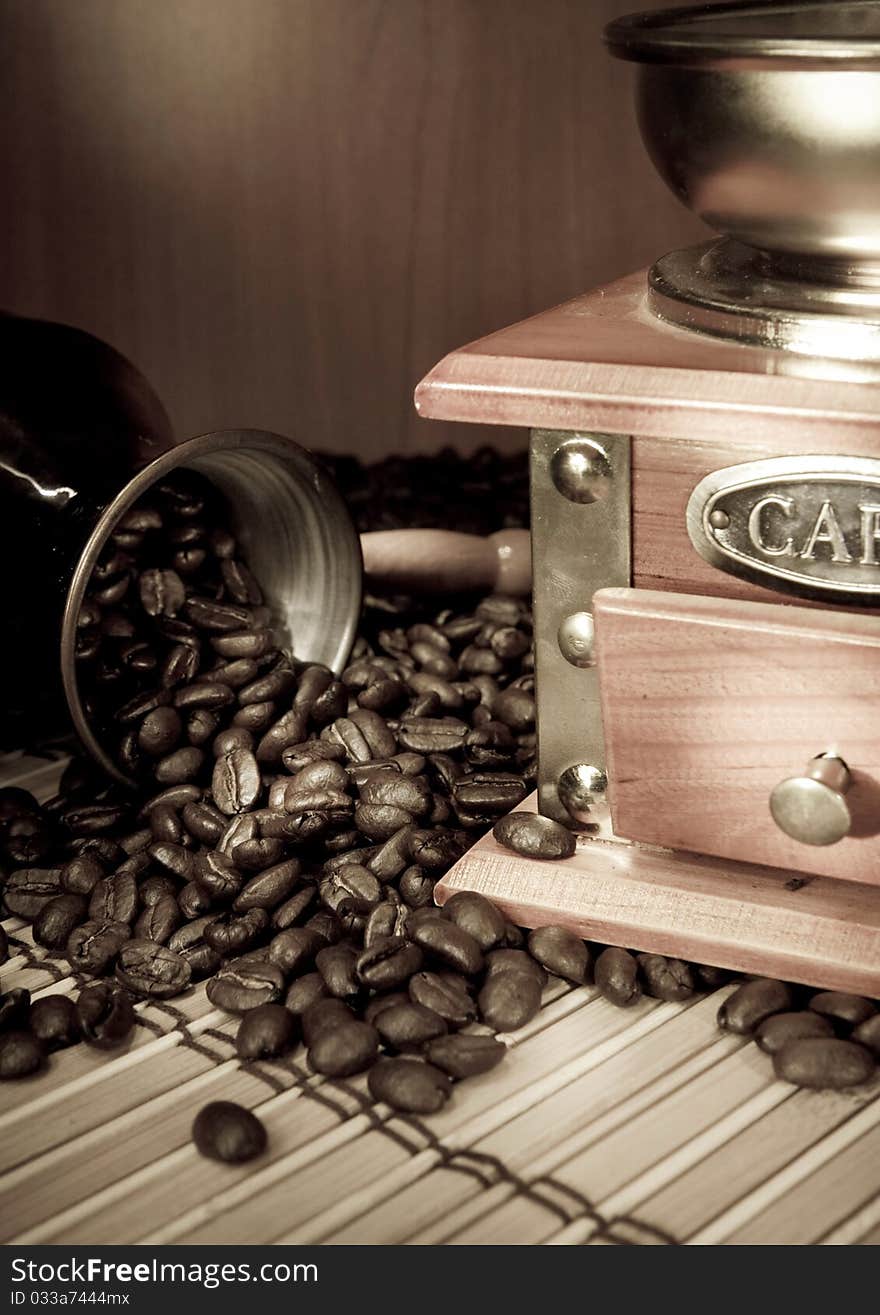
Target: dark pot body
(82, 437)
(76, 420)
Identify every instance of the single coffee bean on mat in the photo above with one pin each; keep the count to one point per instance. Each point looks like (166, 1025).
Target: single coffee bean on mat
(266, 1031)
(21, 1054)
(777, 1030)
(560, 952)
(409, 1085)
(464, 1056)
(868, 1034)
(450, 999)
(53, 1021)
(146, 968)
(340, 1050)
(408, 1026)
(229, 1133)
(666, 979)
(844, 1011)
(821, 1062)
(509, 1000)
(105, 1014)
(752, 1002)
(617, 976)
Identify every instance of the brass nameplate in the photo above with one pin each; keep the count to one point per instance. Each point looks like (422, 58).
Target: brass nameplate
(808, 525)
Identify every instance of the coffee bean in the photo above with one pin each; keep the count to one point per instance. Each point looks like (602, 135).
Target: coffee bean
(450, 944)
(180, 767)
(433, 734)
(276, 685)
(265, 1032)
(159, 921)
(166, 827)
(228, 1132)
(416, 888)
(194, 900)
(337, 964)
(294, 909)
(343, 1049)
(53, 1021)
(477, 916)
(708, 978)
(617, 976)
(114, 899)
(232, 934)
(505, 960)
(14, 1009)
(384, 923)
(297, 756)
(820, 1062)
(217, 876)
(352, 882)
(777, 1030)
(844, 1011)
(409, 1085)
(57, 919)
(27, 890)
(81, 875)
(93, 946)
(408, 1026)
(326, 925)
(388, 964)
(559, 951)
(174, 858)
(289, 729)
(435, 851)
(21, 1053)
(160, 731)
(146, 968)
(203, 822)
(162, 593)
(105, 1015)
(534, 836)
(305, 991)
(236, 737)
(444, 995)
(509, 1000)
(323, 1015)
(269, 888)
(868, 1034)
(666, 979)
(752, 1002)
(295, 948)
(152, 889)
(240, 987)
(464, 1056)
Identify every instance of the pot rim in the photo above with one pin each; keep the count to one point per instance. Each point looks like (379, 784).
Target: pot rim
(707, 35)
(172, 459)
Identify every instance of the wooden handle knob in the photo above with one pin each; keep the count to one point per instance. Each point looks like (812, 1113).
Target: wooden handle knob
(443, 561)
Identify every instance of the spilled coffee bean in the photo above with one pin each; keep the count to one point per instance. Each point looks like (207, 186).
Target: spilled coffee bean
(228, 1132)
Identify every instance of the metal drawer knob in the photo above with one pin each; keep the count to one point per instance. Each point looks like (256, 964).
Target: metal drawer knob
(812, 808)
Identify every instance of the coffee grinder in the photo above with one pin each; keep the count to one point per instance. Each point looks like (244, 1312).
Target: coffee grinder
(705, 483)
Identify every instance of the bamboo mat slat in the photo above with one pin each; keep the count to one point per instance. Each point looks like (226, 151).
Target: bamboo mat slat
(602, 1127)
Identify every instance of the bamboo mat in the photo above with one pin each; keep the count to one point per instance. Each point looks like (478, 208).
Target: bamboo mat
(603, 1126)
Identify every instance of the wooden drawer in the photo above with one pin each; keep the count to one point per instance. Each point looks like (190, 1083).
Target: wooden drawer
(709, 703)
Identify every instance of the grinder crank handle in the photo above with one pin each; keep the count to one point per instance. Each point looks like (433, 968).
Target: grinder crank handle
(441, 561)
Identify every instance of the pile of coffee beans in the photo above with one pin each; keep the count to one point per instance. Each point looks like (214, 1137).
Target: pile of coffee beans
(289, 826)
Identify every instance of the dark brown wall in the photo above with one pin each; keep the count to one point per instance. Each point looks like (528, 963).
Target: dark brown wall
(285, 211)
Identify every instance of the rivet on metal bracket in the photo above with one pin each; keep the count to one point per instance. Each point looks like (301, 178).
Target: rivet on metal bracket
(580, 543)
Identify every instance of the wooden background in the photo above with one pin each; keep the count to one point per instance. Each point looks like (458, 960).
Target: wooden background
(286, 211)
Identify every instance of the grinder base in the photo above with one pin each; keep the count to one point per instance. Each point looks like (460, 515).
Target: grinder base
(758, 920)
